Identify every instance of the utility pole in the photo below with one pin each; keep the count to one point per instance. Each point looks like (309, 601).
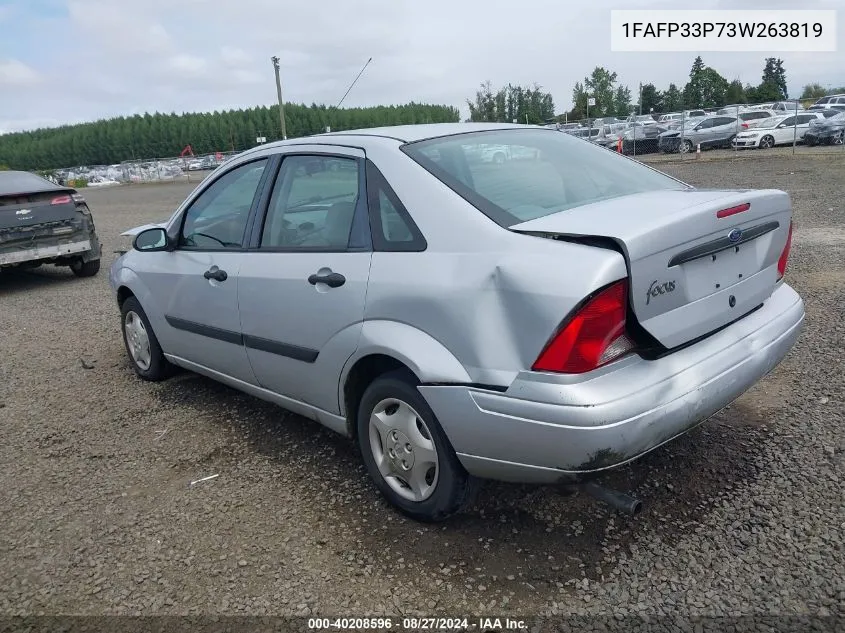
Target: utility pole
(275, 61)
(641, 98)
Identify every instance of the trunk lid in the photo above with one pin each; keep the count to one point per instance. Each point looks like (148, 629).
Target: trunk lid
(691, 272)
(27, 209)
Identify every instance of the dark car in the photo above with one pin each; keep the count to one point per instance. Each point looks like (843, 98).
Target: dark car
(42, 222)
(642, 139)
(828, 131)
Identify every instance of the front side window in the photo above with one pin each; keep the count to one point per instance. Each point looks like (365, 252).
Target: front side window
(217, 218)
(313, 203)
(540, 172)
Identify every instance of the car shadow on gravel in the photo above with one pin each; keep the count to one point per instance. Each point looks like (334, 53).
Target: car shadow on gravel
(19, 280)
(562, 535)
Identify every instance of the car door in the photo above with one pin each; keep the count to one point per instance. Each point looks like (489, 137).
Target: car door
(804, 124)
(783, 132)
(196, 285)
(724, 127)
(701, 132)
(303, 285)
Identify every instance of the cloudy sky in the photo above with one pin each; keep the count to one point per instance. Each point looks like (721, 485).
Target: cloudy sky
(76, 60)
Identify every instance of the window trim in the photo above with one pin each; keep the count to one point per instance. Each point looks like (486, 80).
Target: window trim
(377, 182)
(256, 198)
(361, 214)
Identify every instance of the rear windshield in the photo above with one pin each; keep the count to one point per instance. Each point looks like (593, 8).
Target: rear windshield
(518, 175)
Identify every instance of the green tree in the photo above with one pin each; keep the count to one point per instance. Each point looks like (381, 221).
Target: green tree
(672, 99)
(813, 91)
(651, 98)
(622, 101)
(735, 93)
(693, 91)
(600, 84)
(773, 86)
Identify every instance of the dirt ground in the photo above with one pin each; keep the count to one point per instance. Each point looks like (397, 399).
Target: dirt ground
(744, 515)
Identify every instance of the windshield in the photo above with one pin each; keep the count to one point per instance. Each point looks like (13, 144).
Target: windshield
(545, 172)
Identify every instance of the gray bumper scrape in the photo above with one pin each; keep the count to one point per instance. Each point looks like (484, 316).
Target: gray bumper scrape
(49, 251)
(544, 430)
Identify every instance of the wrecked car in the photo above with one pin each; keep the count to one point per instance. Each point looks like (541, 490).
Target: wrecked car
(529, 321)
(45, 223)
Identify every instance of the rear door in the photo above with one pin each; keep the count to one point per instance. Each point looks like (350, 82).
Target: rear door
(303, 285)
(195, 287)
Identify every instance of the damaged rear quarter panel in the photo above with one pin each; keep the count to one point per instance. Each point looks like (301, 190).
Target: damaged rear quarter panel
(490, 296)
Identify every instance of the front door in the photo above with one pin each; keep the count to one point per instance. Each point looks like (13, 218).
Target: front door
(302, 289)
(196, 285)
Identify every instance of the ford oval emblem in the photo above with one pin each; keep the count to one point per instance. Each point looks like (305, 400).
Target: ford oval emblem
(735, 235)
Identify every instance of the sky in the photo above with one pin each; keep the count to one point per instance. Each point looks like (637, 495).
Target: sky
(67, 61)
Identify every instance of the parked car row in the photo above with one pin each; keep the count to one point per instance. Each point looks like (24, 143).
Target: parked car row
(686, 132)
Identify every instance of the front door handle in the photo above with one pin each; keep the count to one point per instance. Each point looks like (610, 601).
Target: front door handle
(332, 280)
(215, 273)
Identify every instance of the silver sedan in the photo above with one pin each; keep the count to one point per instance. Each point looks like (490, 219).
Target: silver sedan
(537, 319)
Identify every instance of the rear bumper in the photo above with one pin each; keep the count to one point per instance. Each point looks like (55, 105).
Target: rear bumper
(548, 428)
(44, 250)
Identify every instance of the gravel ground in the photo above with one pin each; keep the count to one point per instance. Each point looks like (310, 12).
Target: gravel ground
(745, 515)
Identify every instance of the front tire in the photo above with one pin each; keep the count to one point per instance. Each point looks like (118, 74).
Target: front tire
(85, 269)
(685, 147)
(767, 142)
(406, 452)
(141, 343)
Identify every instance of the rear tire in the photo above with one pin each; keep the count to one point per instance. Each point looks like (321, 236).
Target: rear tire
(142, 346)
(85, 269)
(406, 452)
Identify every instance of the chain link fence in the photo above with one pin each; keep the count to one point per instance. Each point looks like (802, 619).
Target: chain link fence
(727, 133)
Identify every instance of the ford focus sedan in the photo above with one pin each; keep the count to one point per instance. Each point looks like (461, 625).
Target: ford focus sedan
(538, 320)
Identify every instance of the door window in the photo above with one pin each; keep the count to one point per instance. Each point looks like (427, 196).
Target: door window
(313, 204)
(704, 125)
(217, 218)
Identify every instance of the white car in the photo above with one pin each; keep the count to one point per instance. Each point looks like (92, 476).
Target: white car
(781, 130)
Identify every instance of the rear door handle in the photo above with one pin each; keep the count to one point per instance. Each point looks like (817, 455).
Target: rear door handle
(215, 273)
(332, 280)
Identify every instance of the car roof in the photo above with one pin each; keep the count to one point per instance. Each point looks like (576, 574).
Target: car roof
(24, 182)
(411, 133)
(368, 137)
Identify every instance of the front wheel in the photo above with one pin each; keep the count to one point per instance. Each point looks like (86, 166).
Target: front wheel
(141, 343)
(767, 142)
(685, 146)
(407, 453)
(810, 142)
(839, 139)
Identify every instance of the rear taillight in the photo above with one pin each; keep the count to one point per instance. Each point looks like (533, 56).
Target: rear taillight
(61, 200)
(591, 337)
(784, 256)
(745, 125)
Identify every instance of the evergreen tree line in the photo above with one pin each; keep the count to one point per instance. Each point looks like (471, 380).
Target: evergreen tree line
(706, 88)
(511, 103)
(159, 135)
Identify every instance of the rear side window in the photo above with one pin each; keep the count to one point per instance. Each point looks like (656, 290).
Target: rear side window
(517, 175)
(392, 226)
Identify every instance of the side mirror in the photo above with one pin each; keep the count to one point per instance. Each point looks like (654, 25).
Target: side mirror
(151, 240)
